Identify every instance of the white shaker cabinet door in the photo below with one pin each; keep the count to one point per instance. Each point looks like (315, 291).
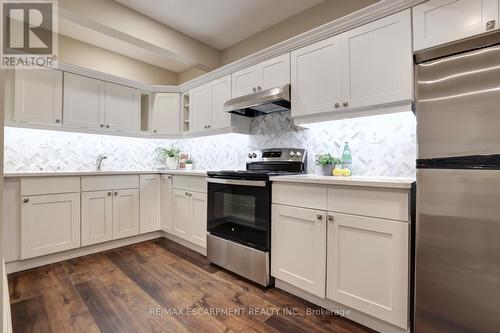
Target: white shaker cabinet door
(150, 203)
(274, 72)
(441, 21)
(122, 108)
(220, 93)
(97, 217)
(245, 81)
(83, 101)
(377, 62)
(298, 245)
(316, 72)
(166, 114)
(125, 213)
(181, 214)
(38, 96)
(199, 108)
(49, 224)
(166, 203)
(368, 266)
(199, 218)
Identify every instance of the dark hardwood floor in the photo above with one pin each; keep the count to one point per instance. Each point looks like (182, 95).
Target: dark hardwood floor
(156, 286)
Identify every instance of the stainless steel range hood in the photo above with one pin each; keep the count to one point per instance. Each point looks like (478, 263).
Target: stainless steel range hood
(260, 103)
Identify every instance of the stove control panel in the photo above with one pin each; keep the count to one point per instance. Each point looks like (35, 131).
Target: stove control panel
(277, 154)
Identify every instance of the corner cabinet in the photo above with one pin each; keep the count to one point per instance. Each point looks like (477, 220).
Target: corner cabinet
(441, 21)
(364, 68)
(38, 96)
(271, 73)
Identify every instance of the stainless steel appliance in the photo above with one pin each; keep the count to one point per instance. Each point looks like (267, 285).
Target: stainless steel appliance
(261, 102)
(457, 280)
(239, 212)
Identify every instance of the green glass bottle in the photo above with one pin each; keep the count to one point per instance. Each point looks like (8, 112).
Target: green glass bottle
(346, 160)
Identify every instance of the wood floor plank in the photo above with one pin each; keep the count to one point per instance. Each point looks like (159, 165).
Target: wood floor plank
(30, 315)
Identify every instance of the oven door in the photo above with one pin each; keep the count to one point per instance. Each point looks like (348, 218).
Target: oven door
(240, 211)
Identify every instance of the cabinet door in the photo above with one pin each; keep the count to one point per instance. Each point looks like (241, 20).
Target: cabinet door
(198, 229)
(122, 108)
(83, 101)
(440, 21)
(245, 81)
(368, 266)
(316, 78)
(199, 108)
(298, 246)
(220, 93)
(377, 62)
(150, 203)
(166, 114)
(274, 72)
(97, 217)
(181, 214)
(125, 213)
(166, 203)
(38, 96)
(49, 224)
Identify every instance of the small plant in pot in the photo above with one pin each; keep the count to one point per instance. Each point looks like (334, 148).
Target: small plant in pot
(189, 164)
(328, 163)
(169, 156)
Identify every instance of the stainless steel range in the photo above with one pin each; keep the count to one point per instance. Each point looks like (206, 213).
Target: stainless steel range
(239, 212)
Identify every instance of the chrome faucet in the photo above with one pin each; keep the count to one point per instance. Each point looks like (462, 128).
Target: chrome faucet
(99, 159)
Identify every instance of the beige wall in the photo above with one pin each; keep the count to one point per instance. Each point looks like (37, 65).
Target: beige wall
(313, 17)
(72, 51)
(190, 74)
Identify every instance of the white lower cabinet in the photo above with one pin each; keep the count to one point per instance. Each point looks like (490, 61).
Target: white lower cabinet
(198, 222)
(298, 247)
(125, 213)
(166, 203)
(150, 210)
(97, 217)
(180, 213)
(367, 266)
(49, 223)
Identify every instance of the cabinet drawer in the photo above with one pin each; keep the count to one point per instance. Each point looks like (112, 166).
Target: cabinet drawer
(190, 183)
(374, 202)
(49, 185)
(102, 183)
(301, 195)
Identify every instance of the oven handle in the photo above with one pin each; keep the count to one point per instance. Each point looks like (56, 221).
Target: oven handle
(256, 183)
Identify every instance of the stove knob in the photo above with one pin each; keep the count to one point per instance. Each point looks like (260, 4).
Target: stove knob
(292, 154)
(249, 155)
(254, 155)
(298, 154)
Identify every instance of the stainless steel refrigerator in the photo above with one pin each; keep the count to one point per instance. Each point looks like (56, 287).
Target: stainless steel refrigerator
(457, 272)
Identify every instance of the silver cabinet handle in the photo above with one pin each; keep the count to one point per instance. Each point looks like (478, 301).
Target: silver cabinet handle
(205, 126)
(319, 217)
(337, 105)
(107, 126)
(345, 104)
(154, 131)
(116, 193)
(26, 200)
(209, 126)
(58, 121)
(254, 89)
(102, 125)
(330, 218)
(109, 194)
(169, 177)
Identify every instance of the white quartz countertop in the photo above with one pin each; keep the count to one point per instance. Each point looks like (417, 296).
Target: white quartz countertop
(388, 182)
(201, 173)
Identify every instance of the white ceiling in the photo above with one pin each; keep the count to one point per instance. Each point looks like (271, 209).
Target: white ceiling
(219, 23)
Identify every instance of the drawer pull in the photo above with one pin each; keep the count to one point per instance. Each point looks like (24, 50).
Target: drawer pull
(26, 200)
(319, 217)
(330, 218)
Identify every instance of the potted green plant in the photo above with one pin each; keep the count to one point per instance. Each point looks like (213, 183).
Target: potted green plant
(328, 163)
(189, 164)
(169, 156)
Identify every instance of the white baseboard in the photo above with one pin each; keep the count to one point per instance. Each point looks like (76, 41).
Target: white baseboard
(354, 315)
(21, 265)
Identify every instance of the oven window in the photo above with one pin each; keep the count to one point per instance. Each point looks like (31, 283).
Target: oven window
(240, 213)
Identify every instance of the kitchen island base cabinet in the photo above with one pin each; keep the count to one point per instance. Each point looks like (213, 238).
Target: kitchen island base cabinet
(298, 247)
(367, 266)
(49, 223)
(125, 213)
(97, 217)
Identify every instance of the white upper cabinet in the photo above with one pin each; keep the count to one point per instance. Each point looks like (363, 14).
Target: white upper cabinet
(219, 93)
(38, 96)
(377, 62)
(122, 108)
(316, 80)
(199, 108)
(440, 21)
(165, 117)
(271, 73)
(150, 210)
(368, 266)
(245, 82)
(83, 101)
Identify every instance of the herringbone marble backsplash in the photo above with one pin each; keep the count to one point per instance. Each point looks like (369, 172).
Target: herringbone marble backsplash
(382, 145)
